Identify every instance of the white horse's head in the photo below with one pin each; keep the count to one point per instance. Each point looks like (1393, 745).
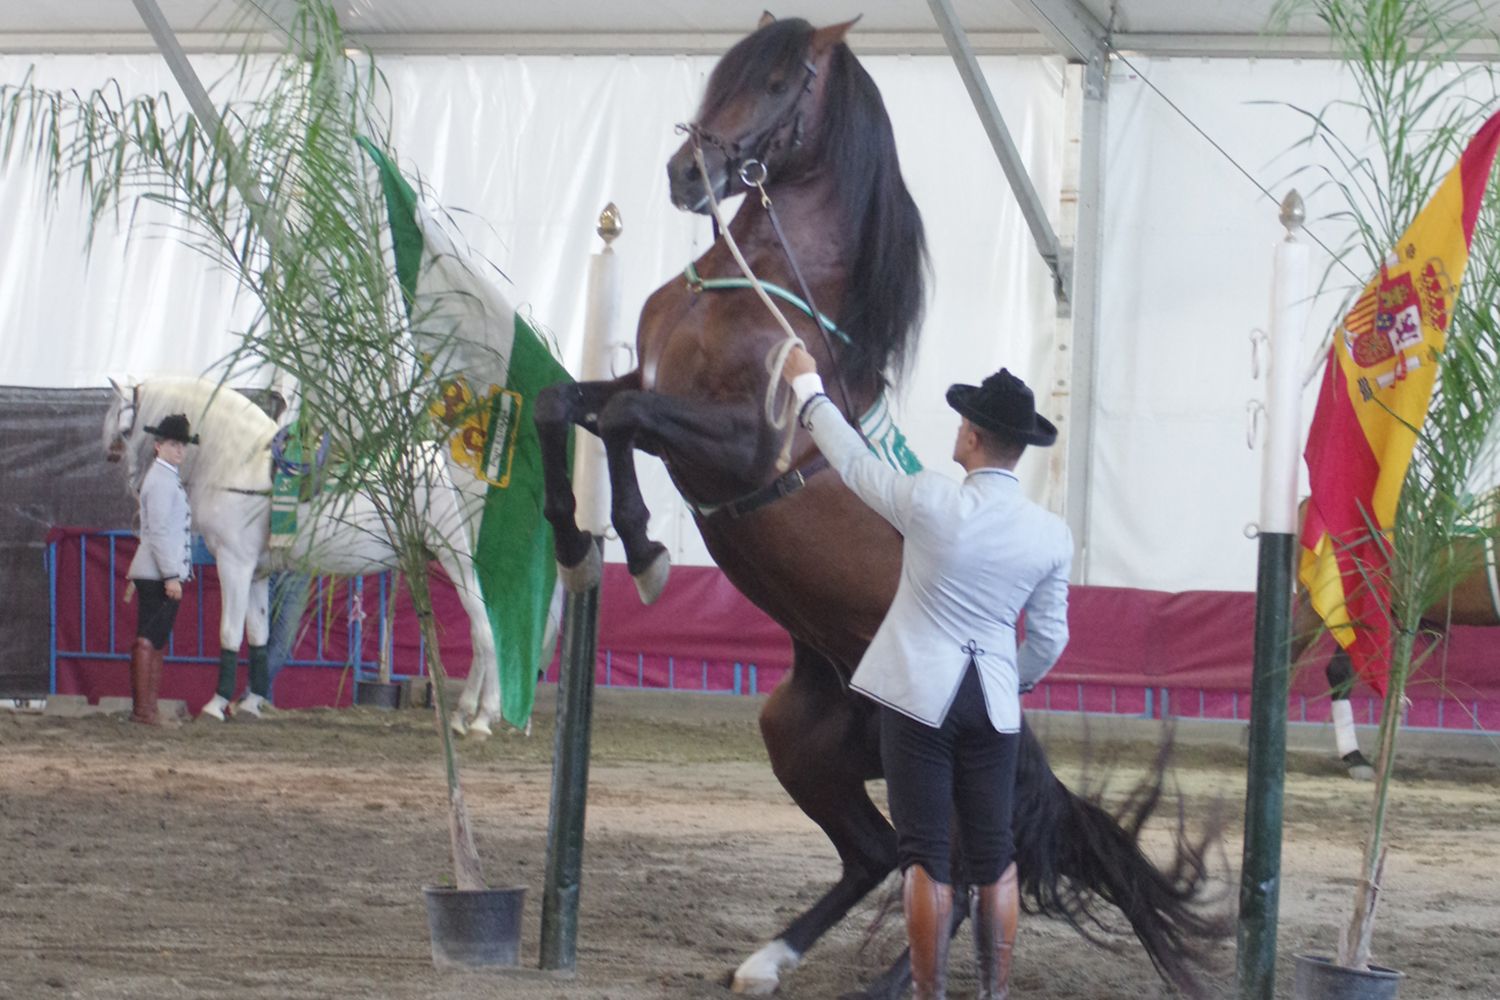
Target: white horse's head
(120, 426)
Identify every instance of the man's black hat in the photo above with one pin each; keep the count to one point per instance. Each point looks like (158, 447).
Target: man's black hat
(173, 427)
(1004, 404)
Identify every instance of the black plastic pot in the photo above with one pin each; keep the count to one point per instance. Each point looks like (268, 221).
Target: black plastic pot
(1319, 978)
(378, 694)
(474, 928)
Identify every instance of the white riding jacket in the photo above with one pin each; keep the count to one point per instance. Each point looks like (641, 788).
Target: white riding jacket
(976, 555)
(166, 548)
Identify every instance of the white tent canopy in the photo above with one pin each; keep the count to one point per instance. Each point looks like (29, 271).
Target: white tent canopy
(536, 115)
(668, 26)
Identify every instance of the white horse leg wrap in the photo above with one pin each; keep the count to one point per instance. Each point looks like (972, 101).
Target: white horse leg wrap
(1343, 726)
(760, 974)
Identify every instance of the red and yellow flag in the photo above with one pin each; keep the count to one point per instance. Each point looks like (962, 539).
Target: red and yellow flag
(1377, 386)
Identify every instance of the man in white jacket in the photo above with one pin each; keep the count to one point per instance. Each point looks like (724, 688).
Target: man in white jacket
(163, 561)
(945, 665)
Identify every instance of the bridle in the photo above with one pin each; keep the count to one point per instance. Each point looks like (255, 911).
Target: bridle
(132, 407)
(754, 173)
(749, 153)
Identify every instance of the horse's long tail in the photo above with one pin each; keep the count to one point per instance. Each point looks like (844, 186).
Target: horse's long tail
(1072, 854)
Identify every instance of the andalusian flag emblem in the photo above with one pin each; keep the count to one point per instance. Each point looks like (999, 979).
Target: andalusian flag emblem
(1376, 389)
(498, 363)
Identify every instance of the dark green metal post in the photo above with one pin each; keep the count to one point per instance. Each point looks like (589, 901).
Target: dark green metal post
(1260, 871)
(570, 782)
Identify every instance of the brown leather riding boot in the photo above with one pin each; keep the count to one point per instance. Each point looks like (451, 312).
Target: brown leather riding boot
(144, 679)
(929, 912)
(997, 907)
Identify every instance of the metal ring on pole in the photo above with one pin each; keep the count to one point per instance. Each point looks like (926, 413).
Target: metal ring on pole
(1254, 409)
(1258, 339)
(1252, 531)
(622, 359)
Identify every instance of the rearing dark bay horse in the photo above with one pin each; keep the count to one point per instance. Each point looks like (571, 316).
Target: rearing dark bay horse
(792, 106)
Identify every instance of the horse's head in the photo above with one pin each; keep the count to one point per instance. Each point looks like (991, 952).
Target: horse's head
(120, 421)
(761, 114)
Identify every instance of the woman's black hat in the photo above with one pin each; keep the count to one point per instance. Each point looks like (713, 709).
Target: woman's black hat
(173, 427)
(1003, 403)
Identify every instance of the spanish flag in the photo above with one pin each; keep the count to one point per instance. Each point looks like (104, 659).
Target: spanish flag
(1376, 389)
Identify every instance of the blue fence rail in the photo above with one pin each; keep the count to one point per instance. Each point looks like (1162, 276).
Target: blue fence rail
(320, 628)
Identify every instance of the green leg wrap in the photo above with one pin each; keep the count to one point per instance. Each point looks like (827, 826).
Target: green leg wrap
(229, 661)
(260, 671)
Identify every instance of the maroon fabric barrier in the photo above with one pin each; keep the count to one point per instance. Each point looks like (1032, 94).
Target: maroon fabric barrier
(702, 635)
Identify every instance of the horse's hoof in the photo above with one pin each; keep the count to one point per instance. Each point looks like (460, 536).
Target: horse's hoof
(651, 581)
(586, 574)
(1360, 769)
(754, 987)
(458, 725)
(480, 729)
(760, 974)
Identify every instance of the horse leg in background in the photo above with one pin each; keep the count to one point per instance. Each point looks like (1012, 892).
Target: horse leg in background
(236, 574)
(824, 746)
(696, 433)
(1340, 672)
(480, 702)
(286, 598)
(557, 408)
(1307, 627)
(449, 542)
(257, 637)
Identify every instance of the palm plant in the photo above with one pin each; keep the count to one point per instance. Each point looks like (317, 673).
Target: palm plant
(1416, 108)
(278, 194)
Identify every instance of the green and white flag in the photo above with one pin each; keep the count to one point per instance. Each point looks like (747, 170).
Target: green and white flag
(464, 326)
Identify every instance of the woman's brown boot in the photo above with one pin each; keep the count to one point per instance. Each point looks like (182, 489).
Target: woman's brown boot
(929, 912)
(997, 907)
(144, 682)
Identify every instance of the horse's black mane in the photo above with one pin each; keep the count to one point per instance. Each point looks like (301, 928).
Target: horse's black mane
(885, 293)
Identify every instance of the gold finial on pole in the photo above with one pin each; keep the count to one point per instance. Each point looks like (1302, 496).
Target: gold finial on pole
(1293, 213)
(610, 225)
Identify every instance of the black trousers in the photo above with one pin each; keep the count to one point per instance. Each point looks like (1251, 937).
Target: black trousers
(158, 612)
(964, 766)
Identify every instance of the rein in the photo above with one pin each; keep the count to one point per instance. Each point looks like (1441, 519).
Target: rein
(753, 174)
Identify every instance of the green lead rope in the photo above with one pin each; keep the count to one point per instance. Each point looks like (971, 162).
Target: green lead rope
(698, 284)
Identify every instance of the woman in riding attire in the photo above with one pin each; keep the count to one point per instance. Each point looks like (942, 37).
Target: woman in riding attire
(163, 562)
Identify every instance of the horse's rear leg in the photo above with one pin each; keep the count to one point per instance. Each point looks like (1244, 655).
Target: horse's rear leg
(480, 702)
(1340, 673)
(823, 746)
(557, 408)
(1307, 628)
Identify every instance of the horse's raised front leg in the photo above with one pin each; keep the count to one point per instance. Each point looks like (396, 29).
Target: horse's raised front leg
(824, 745)
(698, 434)
(559, 407)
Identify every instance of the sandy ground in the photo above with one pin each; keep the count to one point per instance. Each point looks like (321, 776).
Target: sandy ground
(284, 859)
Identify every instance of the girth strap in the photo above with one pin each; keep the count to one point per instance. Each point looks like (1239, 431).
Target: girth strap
(782, 486)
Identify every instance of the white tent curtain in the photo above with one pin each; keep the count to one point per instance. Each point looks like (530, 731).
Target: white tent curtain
(534, 147)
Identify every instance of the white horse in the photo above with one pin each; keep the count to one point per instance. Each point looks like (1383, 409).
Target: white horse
(228, 480)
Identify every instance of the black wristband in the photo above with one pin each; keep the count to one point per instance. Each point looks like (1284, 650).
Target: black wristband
(802, 413)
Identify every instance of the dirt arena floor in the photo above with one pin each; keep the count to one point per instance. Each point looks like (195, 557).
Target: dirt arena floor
(284, 859)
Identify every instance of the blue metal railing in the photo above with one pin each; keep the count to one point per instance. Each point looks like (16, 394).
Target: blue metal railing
(353, 608)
